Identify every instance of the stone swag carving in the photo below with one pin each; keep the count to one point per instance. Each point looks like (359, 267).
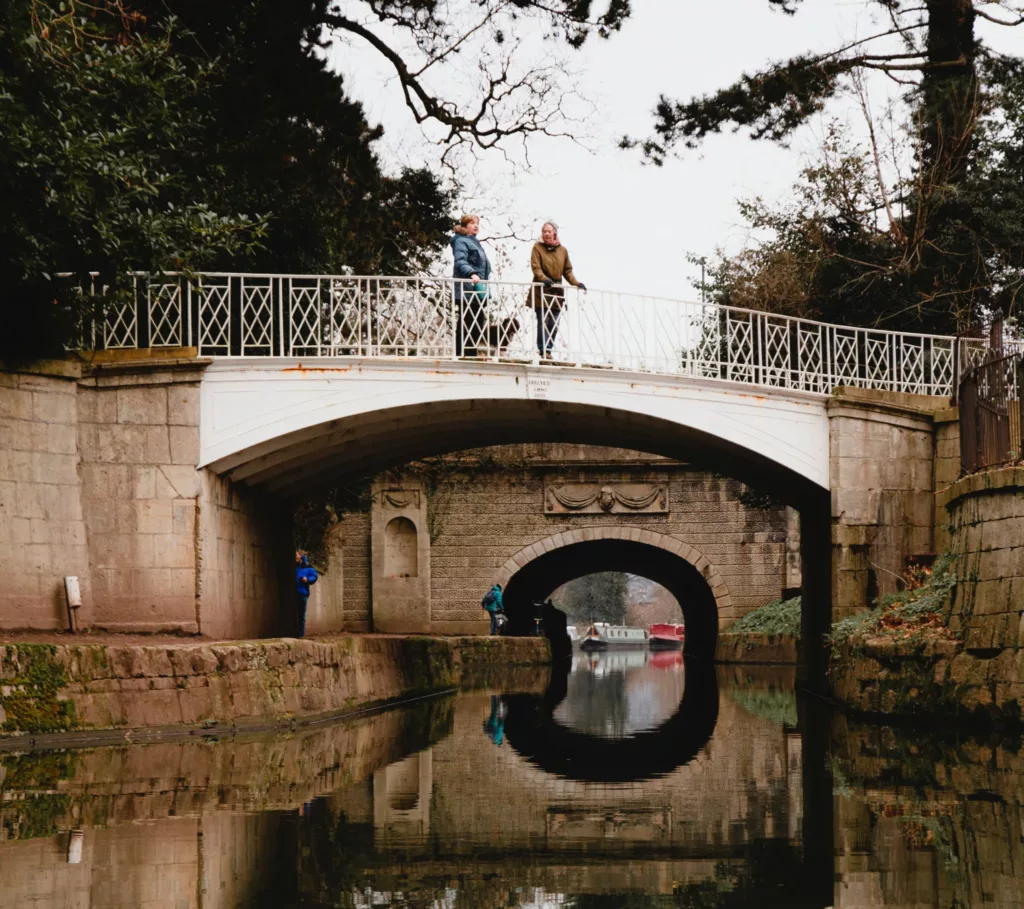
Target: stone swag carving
(400, 498)
(590, 498)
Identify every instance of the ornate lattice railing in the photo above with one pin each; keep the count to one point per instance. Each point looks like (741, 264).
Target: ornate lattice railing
(251, 315)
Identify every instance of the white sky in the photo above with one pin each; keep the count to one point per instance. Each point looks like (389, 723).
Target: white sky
(629, 225)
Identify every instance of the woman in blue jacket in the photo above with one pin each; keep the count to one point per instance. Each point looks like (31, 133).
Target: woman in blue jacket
(472, 269)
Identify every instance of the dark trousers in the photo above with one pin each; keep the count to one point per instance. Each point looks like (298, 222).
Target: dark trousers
(303, 600)
(494, 622)
(547, 328)
(471, 327)
(548, 312)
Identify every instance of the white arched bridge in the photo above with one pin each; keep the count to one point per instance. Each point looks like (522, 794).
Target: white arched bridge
(315, 370)
(305, 379)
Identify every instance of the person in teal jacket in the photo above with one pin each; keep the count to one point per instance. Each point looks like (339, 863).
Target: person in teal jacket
(493, 605)
(471, 265)
(305, 574)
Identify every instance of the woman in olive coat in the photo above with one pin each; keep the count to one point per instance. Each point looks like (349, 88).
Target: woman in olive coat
(550, 264)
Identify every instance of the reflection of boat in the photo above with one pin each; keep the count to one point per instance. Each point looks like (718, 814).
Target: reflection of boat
(667, 637)
(607, 662)
(602, 636)
(666, 659)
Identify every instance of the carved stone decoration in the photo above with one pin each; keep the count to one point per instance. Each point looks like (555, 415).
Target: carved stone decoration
(400, 498)
(592, 498)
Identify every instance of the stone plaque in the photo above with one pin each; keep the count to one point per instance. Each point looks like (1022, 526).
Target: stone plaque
(616, 498)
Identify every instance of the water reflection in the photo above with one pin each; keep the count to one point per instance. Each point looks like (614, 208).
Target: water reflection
(436, 806)
(618, 694)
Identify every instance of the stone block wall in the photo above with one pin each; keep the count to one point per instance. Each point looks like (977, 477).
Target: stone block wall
(986, 515)
(246, 556)
(881, 472)
(42, 527)
(947, 468)
(138, 440)
(481, 517)
(98, 479)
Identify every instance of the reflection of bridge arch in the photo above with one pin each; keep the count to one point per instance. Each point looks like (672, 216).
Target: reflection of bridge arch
(537, 571)
(531, 729)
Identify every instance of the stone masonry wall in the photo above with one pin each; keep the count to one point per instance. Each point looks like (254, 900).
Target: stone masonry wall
(42, 531)
(986, 514)
(245, 553)
(947, 468)
(138, 439)
(881, 453)
(73, 687)
(482, 517)
(98, 479)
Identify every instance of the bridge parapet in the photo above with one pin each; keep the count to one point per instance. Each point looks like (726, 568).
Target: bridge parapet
(311, 316)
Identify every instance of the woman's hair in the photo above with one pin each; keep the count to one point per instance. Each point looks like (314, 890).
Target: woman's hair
(553, 225)
(464, 222)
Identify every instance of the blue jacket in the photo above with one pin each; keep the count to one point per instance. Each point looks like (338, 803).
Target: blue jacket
(470, 259)
(492, 600)
(305, 574)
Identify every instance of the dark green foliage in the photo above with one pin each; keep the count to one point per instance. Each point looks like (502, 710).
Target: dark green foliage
(95, 123)
(598, 597)
(214, 138)
(776, 617)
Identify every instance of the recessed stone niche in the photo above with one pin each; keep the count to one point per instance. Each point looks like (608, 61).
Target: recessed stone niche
(400, 556)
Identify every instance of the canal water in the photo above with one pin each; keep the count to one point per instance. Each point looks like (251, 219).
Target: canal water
(633, 780)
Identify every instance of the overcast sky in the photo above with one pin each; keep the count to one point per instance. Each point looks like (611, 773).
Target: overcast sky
(629, 225)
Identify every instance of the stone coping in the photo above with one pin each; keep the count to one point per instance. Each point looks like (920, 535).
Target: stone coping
(61, 688)
(999, 479)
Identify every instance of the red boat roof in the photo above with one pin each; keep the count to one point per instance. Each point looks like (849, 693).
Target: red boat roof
(666, 628)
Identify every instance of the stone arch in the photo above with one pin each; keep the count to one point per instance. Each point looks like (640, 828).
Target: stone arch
(576, 536)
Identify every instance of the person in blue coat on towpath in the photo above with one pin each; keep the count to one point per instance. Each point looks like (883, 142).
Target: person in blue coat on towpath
(493, 605)
(472, 269)
(305, 574)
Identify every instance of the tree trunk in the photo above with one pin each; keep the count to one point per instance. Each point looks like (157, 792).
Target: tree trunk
(949, 91)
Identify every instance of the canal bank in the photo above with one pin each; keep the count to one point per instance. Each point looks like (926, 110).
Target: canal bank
(79, 687)
(955, 648)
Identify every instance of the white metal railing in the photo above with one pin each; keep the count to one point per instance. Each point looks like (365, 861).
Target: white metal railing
(265, 315)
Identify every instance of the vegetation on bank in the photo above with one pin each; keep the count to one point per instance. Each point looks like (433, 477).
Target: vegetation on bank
(776, 617)
(922, 609)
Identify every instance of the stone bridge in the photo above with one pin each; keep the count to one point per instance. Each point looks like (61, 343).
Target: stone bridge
(161, 469)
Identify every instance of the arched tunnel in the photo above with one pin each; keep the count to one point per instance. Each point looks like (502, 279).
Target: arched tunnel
(541, 577)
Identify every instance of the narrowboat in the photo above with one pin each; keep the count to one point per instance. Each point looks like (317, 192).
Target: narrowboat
(664, 636)
(602, 636)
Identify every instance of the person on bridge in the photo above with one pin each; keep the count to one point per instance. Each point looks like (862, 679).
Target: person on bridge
(472, 269)
(493, 605)
(305, 574)
(549, 262)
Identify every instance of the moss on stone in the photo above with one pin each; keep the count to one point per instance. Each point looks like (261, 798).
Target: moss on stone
(31, 699)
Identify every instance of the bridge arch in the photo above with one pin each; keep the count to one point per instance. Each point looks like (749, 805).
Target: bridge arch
(538, 570)
(581, 535)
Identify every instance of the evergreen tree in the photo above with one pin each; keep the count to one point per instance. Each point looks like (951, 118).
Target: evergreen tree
(936, 259)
